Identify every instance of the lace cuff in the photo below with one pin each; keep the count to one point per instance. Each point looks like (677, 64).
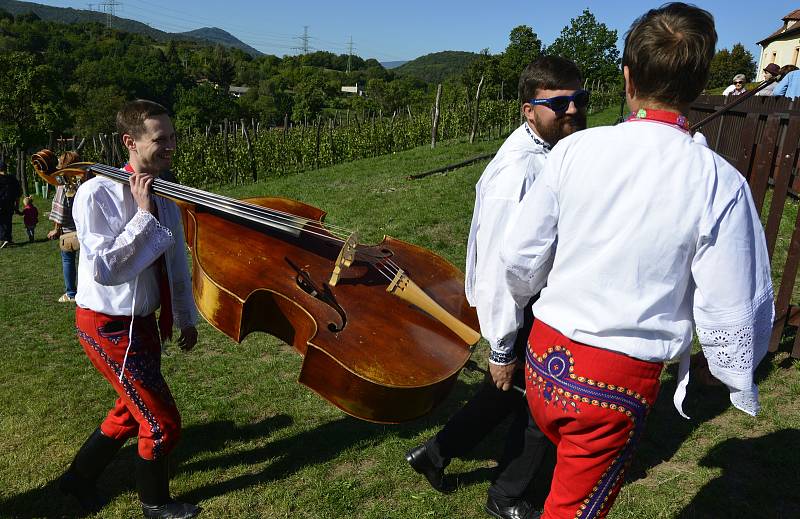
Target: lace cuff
(734, 350)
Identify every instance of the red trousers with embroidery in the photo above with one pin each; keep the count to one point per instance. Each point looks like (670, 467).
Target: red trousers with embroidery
(592, 404)
(145, 407)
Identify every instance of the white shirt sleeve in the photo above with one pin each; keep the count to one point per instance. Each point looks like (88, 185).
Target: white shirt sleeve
(184, 308)
(733, 299)
(530, 239)
(728, 90)
(118, 255)
(492, 299)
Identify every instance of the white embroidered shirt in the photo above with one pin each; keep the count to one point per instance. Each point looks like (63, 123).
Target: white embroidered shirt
(641, 234)
(500, 188)
(119, 247)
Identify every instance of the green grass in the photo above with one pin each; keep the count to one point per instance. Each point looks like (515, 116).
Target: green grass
(258, 444)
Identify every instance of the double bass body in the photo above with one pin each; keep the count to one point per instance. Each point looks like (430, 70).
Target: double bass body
(370, 353)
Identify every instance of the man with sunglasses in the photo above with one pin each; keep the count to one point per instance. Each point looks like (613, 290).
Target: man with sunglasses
(635, 236)
(553, 106)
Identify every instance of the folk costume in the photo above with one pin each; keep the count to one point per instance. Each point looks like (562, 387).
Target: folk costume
(501, 186)
(131, 263)
(635, 234)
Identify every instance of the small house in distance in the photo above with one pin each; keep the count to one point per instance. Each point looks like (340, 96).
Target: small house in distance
(356, 89)
(782, 46)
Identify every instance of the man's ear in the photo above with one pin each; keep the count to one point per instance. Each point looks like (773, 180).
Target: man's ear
(630, 88)
(129, 142)
(527, 111)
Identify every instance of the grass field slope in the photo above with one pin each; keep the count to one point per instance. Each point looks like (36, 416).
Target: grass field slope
(257, 444)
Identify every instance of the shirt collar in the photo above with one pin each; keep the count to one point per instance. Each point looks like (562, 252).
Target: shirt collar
(547, 147)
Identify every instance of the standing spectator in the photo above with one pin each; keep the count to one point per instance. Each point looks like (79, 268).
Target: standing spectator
(10, 191)
(30, 216)
(770, 71)
(789, 86)
(64, 231)
(737, 88)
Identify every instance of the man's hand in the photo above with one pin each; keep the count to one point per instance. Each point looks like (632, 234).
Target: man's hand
(188, 338)
(53, 234)
(501, 375)
(140, 189)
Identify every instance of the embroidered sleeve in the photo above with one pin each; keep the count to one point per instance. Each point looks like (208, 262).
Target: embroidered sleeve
(733, 298)
(735, 348)
(139, 244)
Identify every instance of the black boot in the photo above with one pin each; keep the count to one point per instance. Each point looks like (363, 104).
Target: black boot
(152, 481)
(81, 478)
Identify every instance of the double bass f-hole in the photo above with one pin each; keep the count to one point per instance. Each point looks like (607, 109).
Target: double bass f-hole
(324, 294)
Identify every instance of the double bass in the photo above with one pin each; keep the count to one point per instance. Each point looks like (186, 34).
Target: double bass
(384, 329)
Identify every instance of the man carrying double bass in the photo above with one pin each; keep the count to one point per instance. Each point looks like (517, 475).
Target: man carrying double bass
(132, 261)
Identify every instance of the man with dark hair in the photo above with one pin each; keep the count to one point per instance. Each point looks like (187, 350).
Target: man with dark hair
(10, 191)
(635, 234)
(132, 261)
(553, 105)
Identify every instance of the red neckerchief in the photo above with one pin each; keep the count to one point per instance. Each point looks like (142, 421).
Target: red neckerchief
(165, 316)
(661, 116)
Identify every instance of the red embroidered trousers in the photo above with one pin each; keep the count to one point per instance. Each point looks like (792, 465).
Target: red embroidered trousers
(145, 407)
(592, 404)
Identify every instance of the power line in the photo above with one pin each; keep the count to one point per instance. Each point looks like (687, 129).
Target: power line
(109, 6)
(349, 53)
(304, 39)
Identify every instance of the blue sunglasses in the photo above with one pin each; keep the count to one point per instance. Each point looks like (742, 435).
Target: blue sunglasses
(560, 104)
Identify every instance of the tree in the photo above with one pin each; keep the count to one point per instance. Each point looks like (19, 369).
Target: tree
(523, 47)
(309, 95)
(28, 101)
(203, 104)
(727, 64)
(592, 46)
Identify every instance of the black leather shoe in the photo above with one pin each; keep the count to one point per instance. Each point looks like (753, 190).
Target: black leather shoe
(420, 461)
(171, 510)
(521, 510)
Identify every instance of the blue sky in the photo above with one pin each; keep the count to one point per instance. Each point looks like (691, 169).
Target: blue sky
(407, 29)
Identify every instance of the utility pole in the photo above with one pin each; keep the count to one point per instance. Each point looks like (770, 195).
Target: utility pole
(304, 39)
(109, 6)
(349, 54)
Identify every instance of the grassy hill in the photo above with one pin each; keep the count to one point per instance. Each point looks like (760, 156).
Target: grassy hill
(258, 444)
(438, 66)
(70, 15)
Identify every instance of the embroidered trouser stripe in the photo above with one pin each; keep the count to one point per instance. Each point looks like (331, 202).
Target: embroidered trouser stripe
(592, 403)
(145, 406)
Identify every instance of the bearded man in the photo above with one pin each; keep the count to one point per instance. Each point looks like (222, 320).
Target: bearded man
(554, 106)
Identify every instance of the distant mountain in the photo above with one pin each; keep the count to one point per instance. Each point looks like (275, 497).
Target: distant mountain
(438, 66)
(392, 64)
(70, 15)
(216, 35)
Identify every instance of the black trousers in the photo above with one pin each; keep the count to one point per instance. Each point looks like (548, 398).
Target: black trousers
(525, 444)
(5, 223)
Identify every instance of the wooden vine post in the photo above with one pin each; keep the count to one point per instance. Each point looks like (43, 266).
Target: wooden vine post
(476, 112)
(253, 171)
(435, 125)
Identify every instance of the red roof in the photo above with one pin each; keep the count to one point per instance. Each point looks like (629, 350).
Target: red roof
(794, 15)
(782, 31)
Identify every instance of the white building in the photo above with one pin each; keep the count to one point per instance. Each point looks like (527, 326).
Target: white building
(782, 46)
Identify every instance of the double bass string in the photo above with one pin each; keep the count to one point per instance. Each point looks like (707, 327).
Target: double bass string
(246, 210)
(384, 265)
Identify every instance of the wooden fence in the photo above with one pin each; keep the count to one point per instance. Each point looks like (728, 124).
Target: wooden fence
(761, 137)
